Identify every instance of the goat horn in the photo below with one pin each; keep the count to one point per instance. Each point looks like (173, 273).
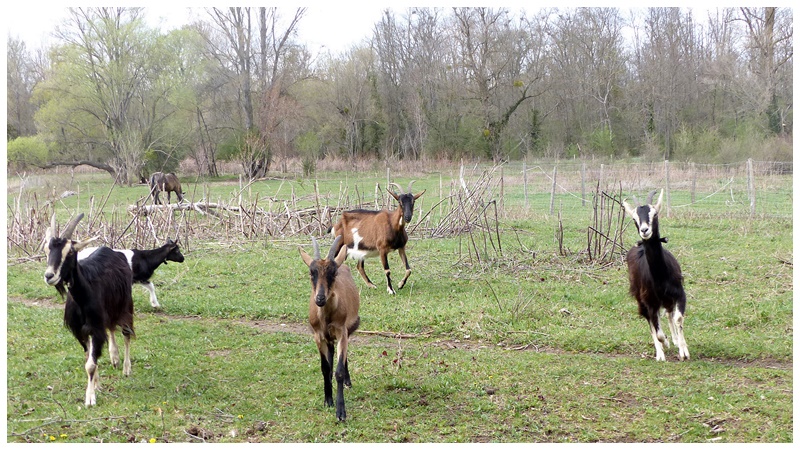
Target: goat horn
(409, 185)
(67, 234)
(334, 248)
(53, 225)
(650, 196)
(316, 247)
(397, 186)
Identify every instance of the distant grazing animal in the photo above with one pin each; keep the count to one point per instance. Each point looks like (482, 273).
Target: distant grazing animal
(369, 233)
(167, 182)
(143, 263)
(655, 278)
(98, 298)
(333, 316)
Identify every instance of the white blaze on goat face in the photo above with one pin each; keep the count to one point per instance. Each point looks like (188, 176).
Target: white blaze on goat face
(359, 253)
(53, 270)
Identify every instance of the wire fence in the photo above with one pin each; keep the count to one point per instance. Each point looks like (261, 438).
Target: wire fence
(747, 189)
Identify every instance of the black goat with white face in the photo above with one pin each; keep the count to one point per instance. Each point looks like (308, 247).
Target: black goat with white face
(98, 298)
(655, 278)
(143, 263)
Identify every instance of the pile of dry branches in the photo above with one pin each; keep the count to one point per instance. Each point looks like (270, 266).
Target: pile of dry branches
(469, 210)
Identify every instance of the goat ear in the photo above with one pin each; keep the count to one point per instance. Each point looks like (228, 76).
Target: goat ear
(420, 194)
(630, 210)
(306, 257)
(658, 203)
(341, 256)
(393, 194)
(79, 245)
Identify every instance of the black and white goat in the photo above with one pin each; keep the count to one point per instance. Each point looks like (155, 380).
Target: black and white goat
(143, 263)
(98, 298)
(655, 278)
(368, 233)
(333, 316)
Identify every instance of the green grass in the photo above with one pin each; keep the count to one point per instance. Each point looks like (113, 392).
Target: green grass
(530, 347)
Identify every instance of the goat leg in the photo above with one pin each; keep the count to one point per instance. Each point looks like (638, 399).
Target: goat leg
(341, 414)
(113, 350)
(360, 267)
(126, 365)
(93, 377)
(676, 322)
(385, 262)
(402, 252)
(152, 290)
(325, 353)
(658, 337)
(347, 381)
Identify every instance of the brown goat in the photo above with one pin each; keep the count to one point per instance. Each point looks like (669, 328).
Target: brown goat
(368, 233)
(167, 182)
(333, 316)
(655, 278)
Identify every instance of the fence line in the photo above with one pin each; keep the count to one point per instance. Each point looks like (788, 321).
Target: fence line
(755, 187)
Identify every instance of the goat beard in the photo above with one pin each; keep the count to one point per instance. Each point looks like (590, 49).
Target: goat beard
(61, 288)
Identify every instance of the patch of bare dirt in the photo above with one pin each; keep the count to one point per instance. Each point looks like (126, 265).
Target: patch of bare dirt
(378, 337)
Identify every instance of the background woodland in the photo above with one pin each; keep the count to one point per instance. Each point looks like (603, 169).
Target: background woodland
(238, 87)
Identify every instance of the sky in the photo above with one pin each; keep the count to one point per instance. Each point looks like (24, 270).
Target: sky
(327, 25)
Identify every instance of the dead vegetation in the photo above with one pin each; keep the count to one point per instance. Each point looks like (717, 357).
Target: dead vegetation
(468, 210)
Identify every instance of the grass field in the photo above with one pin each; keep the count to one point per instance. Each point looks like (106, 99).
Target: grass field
(525, 345)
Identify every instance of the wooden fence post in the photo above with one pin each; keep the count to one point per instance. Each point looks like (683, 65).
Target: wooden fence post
(666, 182)
(600, 180)
(525, 182)
(751, 190)
(502, 191)
(553, 190)
(583, 183)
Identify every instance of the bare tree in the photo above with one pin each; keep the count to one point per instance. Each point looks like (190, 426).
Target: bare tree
(20, 81)
(769, 52)
(254, 57)
(487, 43)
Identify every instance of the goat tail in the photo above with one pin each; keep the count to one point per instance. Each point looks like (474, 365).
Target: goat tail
(127, 330)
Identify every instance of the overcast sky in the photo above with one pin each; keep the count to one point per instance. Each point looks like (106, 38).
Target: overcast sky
(334, 27)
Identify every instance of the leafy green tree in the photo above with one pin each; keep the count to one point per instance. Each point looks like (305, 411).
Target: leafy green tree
(27, 151)
(105, 99)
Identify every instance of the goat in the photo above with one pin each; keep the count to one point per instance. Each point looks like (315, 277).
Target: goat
(98, 298)
(333, 316)
(167, 182)
(368, 233)
(143, 263)
(655, 278)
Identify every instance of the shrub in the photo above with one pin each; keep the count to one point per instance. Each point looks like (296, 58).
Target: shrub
(27, 150)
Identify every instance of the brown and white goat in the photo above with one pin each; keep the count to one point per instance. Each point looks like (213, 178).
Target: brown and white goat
(368, 233)
(655, 278)
(98, 298)
(333, 316)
